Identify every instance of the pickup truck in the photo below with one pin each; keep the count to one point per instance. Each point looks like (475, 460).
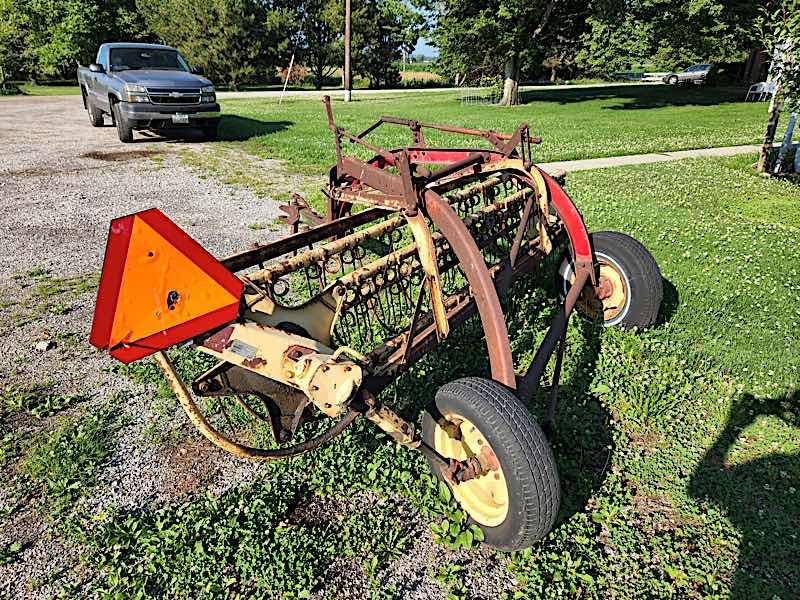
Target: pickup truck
(147, 86)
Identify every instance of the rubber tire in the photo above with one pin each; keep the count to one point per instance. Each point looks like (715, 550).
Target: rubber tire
(521, 448)
(641, 269)
(95, 116)
(672, 80)
(124, 129)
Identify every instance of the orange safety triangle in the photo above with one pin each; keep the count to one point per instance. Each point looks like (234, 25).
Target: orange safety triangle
(158, 288)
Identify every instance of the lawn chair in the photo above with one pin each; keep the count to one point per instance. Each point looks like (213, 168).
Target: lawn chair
(760, 91)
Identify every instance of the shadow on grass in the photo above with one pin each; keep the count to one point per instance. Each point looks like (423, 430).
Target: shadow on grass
(670, 302)
(760, 497)
(583, 443)
(235, 128)
(231, 128)
(633, 97)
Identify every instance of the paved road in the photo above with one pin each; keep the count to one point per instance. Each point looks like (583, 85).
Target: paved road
(358, 93)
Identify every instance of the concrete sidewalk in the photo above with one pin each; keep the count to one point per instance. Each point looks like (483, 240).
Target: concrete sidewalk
(639, 159)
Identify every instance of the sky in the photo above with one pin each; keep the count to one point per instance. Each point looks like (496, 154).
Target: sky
(424, 48)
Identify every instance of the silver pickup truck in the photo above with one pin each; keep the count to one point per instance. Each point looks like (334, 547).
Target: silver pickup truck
(147, 86)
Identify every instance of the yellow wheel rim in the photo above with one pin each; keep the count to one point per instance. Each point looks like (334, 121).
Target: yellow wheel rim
(611, 293)
(485, 498)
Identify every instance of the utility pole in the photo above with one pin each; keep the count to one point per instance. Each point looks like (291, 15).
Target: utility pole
(347, 82)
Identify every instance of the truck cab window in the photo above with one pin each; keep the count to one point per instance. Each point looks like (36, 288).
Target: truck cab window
(124, 59)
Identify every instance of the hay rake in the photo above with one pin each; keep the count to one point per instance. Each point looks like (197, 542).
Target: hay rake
(315, 325)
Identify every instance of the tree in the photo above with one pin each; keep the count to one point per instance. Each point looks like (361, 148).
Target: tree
(491, 37)
(321, 38)
(123, 22)
(235, 40)
(382, 31)
(12, 31)
(57, 35)
(672, 34)
(559, 46)
(60, 35)
(780, 27)
(614, 46)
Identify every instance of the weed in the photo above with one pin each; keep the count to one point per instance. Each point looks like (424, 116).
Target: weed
(36, 400)
(6, 448)
(45, 285)
(47, 293)
(228, 164)
(454, 531)
(451, 577)
(65, 462)
(9, 552)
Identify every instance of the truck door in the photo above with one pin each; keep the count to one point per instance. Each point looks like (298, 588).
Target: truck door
(99, 82)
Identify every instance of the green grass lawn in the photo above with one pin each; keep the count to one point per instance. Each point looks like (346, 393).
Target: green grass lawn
(678, 448)
(574, 124)
(34, 89)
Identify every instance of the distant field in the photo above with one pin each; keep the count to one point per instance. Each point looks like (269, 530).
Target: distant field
(420, 76)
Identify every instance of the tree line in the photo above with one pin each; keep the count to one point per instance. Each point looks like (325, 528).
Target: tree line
(520, 39)
(236, 41)
(480, 41)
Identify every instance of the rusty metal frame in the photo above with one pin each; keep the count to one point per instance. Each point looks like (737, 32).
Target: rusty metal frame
(406, 186)
(370, 183)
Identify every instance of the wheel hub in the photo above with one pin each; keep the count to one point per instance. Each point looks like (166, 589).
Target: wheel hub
(479, 483)
(609, 297)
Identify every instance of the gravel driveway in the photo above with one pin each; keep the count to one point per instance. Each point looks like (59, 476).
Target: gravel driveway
(61, 182)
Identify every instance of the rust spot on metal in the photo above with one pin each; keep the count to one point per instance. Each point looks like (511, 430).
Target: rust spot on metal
(253, 363)
(218, 341)
(604, 288)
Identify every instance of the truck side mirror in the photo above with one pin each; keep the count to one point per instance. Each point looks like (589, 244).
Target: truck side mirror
(95, 68)
(198, 70)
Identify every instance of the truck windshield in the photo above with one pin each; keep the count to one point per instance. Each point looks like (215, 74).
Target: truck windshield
(124, 59)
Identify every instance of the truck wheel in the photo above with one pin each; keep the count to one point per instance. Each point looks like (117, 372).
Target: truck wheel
(95, 116)
(124, 129)
(630, 288)
(515, 504)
